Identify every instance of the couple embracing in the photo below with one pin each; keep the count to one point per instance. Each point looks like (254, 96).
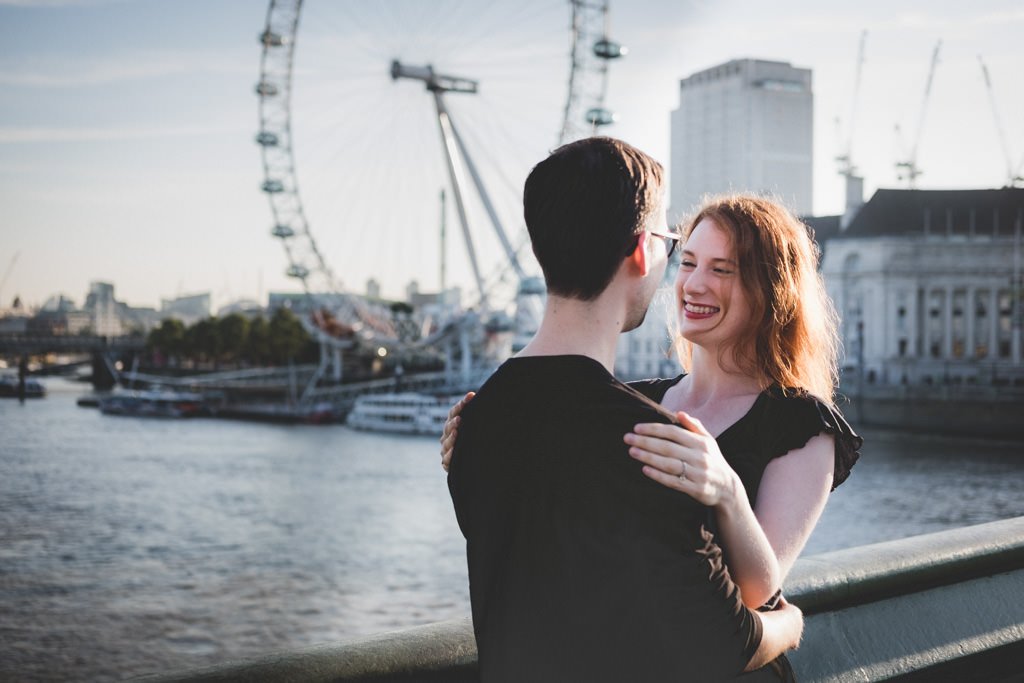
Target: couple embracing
(641, 532)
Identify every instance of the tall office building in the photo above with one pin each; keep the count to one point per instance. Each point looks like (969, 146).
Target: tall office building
(746, 125)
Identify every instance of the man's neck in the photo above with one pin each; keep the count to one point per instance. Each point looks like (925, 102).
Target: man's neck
(583, 328)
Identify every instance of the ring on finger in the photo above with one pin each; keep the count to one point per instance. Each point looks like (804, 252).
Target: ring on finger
(682, 472)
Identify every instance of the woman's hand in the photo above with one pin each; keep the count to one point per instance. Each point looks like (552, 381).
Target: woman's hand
(451, 430)
(686, 460)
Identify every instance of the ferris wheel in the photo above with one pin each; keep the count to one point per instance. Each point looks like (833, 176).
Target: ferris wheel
(388, 107)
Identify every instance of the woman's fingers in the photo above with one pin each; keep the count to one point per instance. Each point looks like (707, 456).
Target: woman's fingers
(669, 465)
(696, 489)
(674, 482)
(451, 429)
(448, 445)
(447, 448)
(691, 423)
(668, 433)
(457, 408)
(653, 444)
(450, 426)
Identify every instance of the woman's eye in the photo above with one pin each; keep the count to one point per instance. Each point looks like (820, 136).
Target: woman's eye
(688, 264)
(723, 271)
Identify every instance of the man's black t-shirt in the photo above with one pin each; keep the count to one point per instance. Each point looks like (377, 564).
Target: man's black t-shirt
(580, 567)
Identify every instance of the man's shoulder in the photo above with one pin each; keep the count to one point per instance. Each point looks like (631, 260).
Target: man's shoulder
(555, 386)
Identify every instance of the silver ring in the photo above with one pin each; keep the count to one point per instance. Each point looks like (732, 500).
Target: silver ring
(682, 475)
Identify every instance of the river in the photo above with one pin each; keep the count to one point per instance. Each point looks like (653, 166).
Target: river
(132, 546)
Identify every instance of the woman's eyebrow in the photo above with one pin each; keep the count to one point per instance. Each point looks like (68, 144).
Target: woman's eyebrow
(713, 260)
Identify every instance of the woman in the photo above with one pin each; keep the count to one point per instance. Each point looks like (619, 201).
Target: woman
(763, 443)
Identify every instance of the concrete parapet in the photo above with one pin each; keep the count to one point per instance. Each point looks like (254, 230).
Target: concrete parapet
(943, 606)
(444, 651)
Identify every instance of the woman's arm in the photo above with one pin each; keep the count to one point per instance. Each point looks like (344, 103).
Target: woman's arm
(760, 545)
(792, 495)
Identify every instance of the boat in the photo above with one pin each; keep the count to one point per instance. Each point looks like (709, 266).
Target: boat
(403, 413)
(9, 387)
(318, 413)
(156, 403)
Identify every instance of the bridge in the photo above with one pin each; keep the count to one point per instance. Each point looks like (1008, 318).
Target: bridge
(942, 606)
(37, 344)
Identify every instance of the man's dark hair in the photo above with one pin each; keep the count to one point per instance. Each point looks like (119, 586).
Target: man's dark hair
(584, 206)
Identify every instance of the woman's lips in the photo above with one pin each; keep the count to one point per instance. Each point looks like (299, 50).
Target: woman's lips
(698, 311)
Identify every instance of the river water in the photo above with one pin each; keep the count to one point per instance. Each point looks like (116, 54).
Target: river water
(132, 546)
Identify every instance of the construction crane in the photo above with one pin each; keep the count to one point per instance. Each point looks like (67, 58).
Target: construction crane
(845, 159)
(1013, 176)
(908, 170)
(854, 183)
(7, 274)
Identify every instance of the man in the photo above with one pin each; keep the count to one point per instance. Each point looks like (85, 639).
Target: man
(581, 568)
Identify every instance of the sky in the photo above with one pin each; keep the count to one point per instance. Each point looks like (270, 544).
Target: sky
(126, 126)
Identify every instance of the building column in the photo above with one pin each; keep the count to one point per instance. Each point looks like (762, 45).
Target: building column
(993, 322)
(947, 320)
(970, 312)
(921, 320)
(911, 321)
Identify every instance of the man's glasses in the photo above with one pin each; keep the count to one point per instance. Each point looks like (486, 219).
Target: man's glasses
(671, 240)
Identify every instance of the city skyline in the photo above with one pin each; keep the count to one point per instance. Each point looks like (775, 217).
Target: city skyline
(127, 154)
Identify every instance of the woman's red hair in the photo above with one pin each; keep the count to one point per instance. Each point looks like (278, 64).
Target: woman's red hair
(793, 341)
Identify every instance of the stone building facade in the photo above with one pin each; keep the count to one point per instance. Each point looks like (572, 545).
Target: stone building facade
(927, 285)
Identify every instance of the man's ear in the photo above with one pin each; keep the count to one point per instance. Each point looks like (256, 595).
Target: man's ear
(639, 258)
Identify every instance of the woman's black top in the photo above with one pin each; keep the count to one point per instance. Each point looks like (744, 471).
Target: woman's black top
(779, 421)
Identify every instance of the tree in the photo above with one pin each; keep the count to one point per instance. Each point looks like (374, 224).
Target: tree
(168, 338)
(232, 331)
(287, 336)
(203, 340)
(257, 342)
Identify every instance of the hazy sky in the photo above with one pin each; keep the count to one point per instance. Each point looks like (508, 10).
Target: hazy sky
(126, 127)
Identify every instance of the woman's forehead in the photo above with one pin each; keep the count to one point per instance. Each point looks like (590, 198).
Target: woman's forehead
(708, 236)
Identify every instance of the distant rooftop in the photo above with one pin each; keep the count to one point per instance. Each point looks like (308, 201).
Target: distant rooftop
(938, 212)
(758, 72)
(824, 227)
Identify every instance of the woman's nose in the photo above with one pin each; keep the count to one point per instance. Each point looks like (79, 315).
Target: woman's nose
(694, 282)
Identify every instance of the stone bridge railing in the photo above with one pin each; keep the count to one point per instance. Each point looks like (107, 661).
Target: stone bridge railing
(943, 606)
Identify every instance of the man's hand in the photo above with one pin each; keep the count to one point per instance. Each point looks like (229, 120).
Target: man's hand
(782, 629)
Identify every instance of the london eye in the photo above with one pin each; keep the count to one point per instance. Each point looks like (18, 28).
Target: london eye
(411, 127)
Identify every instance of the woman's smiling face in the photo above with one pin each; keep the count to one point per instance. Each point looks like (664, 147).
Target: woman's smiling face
(712, 306)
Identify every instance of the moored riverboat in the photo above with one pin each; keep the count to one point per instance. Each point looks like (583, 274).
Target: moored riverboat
(404, 413)
(154, 404)
(9, 387)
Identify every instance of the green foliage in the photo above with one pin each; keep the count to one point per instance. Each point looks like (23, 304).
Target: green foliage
(202, 340)
(232, 331)
(287, 337)
(256, 349)
(168, 339)
(235, 338)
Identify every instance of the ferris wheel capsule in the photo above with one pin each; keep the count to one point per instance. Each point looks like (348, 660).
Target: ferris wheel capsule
(297, 271)
(267, 139)
(532, 285)
(282, 231)
(271, 39)
(266, 89)
(600, 116)
(609, 49)
(273, 186)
